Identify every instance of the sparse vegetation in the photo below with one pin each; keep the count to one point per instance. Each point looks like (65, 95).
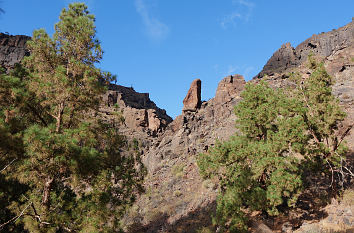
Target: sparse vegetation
(348, 197)
(178, 170)
(204, 230)
(177, 193)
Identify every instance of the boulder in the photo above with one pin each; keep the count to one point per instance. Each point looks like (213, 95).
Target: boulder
(192, 101)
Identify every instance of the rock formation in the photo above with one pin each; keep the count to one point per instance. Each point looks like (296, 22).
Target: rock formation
(191, 133)
(12, 49)
(139, 112)
(228, 88)
(192, 100)
(321, 45)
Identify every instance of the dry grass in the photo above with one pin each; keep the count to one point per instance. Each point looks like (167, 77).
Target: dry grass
(348, 197)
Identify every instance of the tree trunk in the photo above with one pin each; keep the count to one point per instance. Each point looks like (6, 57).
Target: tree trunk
(46, 191)
(59, 117)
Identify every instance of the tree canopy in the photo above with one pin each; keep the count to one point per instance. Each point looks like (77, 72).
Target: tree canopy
(282, 135)
(73, 171)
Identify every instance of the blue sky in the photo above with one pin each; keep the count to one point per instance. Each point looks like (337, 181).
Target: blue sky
(161, 46)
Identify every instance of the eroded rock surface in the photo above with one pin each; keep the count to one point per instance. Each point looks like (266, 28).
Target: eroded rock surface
(228, 88)
(12, 49)
(178, 199)
(192, 100)
(322, 45)
(139, 112)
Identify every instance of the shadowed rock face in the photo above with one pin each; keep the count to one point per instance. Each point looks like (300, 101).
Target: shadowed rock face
(12, 49)
(322, 45)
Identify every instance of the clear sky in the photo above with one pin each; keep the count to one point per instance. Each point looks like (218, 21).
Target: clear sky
(161, 46)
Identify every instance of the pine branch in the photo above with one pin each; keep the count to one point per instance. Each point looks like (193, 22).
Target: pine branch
(16, 217)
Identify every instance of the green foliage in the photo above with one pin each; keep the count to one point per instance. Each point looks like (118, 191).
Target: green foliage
(66, 165)
(261, 168)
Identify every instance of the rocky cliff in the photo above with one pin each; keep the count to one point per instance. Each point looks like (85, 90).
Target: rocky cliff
(322, 45)
(335, 49)
(177, 198)
(141, 115)
(12, 49)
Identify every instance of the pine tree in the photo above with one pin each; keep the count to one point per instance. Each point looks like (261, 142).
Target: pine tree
(78, 179)
(280, 133)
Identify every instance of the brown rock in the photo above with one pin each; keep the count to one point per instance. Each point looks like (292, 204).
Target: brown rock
(192, 101)
(230, 87)
(139, 112)
(259, 227)
(154, 122)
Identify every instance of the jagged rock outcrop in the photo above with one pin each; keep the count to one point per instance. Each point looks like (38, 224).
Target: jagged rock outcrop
(12, 49)
(322, 45)
(213, 120)
(192, 100)
(139, 112)
(177, 193)
(228, 88)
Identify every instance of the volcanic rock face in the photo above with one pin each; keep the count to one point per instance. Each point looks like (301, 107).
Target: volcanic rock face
(321, 45)
(171, 161)
(12, 49)
(229, 87)
(336, 50)
(192, 100)
(139, 112)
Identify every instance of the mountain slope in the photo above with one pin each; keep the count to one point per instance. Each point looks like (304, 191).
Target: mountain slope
(177, 199)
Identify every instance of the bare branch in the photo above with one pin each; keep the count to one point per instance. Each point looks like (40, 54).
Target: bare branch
(344, 134)
(331, 171)
(16, 217)
(8, 165)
